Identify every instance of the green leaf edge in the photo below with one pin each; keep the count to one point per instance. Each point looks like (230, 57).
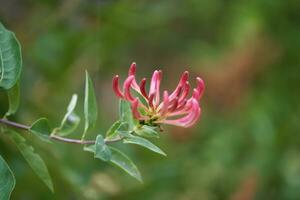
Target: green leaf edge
(42, 136)
(12, 175)
(102, 151)
(17, 78)
(137, 175)
(90, 101)
(17, 139)
(151, 146)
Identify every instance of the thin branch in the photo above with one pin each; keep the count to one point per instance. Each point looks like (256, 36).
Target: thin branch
(56, 137)
(73, 141)
(14, 124)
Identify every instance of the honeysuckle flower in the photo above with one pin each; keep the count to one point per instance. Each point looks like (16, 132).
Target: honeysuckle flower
(175, 108)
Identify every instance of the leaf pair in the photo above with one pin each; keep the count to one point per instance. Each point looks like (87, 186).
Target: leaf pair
(115, 157)
(116, 131)
(122, 130)
(71, 120)
(110, 154)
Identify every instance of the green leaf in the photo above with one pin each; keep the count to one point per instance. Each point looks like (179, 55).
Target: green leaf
(13, 99)
(90, 148)
(121, 160)
(90, 105)
(144, 143)
(124, 133)
(41, 129)
(113, 130)
(10, 59)
(7, 180)
(102, 151)
(126, 114)
(147, 131)
(70, 121)
(33, 159)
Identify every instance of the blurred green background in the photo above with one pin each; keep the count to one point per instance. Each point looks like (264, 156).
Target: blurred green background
(247, 143)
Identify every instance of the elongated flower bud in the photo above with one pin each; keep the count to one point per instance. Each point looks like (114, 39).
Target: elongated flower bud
(132, 69)
(200, 87)
(116, 87)
(143, 88)
(165, 105)
(127, 87)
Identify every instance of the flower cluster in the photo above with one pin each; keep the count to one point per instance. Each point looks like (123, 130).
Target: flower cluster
(175, 108)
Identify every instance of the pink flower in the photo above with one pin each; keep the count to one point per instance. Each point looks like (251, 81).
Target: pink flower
(175, 108)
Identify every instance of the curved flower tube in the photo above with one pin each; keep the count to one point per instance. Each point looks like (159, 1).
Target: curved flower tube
(174, 109)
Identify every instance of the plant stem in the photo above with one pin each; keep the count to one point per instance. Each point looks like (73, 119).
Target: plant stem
(14, 124)
(55, 137)
(73, 141)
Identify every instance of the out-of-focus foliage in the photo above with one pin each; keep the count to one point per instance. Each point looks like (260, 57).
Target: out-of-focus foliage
(246, 145)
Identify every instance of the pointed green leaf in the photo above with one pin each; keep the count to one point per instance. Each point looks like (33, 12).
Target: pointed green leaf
(13, 99)
(102, 151)
(90, 148)
(126, 114)
(144, 143)
(113, 130)
(90, 105)
(124, 133)
(33, 159)
(10, 59)
(7, 180)
(147, 131)
(70, 121)
(121, 160)
(41, 129)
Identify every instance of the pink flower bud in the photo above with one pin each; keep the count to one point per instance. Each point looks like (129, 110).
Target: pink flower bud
(116, 87)
(127, 87)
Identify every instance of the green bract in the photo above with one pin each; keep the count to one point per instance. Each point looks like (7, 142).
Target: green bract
(126, 114)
